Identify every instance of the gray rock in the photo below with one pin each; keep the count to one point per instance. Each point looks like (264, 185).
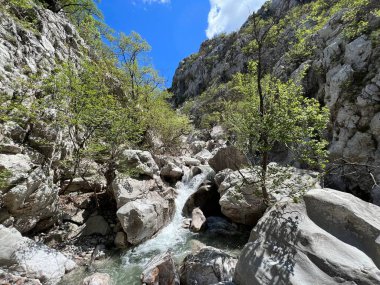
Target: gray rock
(228, 157)
(24, 256)
(241, 199)
(203, 156)
(143, 217)
(358, 52)
(97, 279)
(160, 269)
(208, 266)
(138, 162)
(189, 161)
(171, 172)
(329, 238)
(121, 240)
(96, 225)
(198, 220)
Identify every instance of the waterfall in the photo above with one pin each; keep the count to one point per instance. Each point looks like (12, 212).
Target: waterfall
(173, 236)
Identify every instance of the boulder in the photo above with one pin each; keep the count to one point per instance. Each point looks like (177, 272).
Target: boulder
(203, 156)
(160, 269)
(190, 161)
(32, 260)
(143, 217)
(96, 224)
(97, 279)
(121, 240)
(137, 162)
(171, 172)
(240, 192)
(7, 278)
(330, 237)
(89, 184)
(228, 157)
(30, 196)
(208, 266)
(198, 220)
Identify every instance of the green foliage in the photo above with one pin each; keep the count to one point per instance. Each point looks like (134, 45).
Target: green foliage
(5, 174)
(282, 116)
(308, 19)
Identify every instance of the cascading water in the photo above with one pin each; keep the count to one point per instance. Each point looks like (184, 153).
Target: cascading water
(173, 237)
(127, 268)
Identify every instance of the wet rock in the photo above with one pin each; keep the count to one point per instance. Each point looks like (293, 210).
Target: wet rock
(329, 238)
(97, 279)
(121, 240)
(228, 157)
(160, 270)
(220, 226)
(208, 266)
(198, 220)
(30, 259)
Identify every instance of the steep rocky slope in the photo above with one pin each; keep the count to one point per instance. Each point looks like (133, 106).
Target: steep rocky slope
(29, 153)
(343, 74)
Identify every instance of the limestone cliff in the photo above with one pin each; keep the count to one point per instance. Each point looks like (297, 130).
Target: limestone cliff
(343, 74)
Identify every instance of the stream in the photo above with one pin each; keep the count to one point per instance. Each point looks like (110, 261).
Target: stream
(127, 266)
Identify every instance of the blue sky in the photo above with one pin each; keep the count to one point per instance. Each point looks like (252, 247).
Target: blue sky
(176, 28)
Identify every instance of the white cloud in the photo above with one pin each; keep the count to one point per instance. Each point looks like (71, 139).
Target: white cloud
(227, 16)
(156, 1)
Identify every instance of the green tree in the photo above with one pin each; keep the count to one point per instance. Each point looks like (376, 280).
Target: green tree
(95, 120)
(272, 112)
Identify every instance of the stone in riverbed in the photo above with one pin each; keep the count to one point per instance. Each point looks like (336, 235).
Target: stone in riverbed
(208, 266)
(160, 270)
(198, 220)
(97, 279)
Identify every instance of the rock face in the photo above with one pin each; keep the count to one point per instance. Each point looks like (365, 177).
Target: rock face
(24, 256)
(144, 206)
(160, 270)
(208, 266)
(329, 238)
(343, 73)
(30, 195)
(27, 51)
(241, 199)
(228, 157)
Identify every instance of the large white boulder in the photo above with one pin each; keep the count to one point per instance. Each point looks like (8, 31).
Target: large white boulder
(330, 237)
(22, 256)
(144, 206)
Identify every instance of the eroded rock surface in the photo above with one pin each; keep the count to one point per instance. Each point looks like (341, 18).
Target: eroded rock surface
(329, 238)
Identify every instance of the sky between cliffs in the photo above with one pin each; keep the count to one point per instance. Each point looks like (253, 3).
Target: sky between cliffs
(176, 28)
